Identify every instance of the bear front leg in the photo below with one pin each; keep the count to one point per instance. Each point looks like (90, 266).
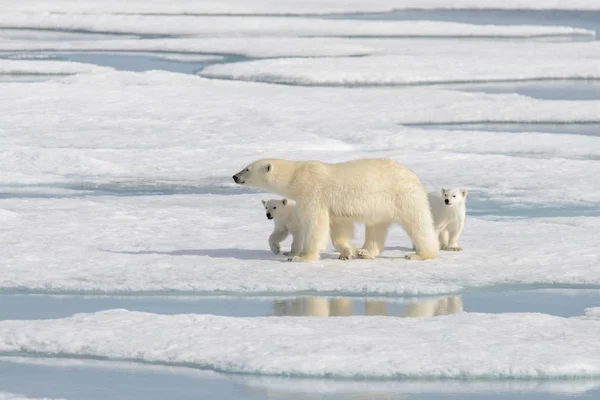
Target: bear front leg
(297, 244)
(316, 232)
(453, 239)
(444, 239)
(279, 234)
(375, 236)
(342, 233)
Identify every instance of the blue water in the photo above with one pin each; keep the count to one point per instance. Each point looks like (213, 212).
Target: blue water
(563, 302)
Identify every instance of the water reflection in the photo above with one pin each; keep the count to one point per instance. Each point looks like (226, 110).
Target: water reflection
(344, 307)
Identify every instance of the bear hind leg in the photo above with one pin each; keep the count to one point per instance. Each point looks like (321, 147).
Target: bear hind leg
(342, 233)
(418, 224)
(375, 236)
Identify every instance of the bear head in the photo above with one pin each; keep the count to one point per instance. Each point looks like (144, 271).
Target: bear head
(453, 197)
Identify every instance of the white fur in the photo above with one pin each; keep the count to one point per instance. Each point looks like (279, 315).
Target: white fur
(448, 219)
(286, 221)
(332, 197)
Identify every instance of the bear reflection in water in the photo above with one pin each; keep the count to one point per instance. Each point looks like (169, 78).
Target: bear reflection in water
(342, 307)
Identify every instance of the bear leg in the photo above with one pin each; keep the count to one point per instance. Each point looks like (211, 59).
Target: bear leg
(417, 221)
(316, 225)
(297, 244)
(444, 239)
(342, 233)
(375, 236)
(453, 239)
(279, 234)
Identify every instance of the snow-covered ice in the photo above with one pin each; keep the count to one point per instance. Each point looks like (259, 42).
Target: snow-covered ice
(46, 67)
(16, 396)
(409, 63)
(273, 26)
(286, 7)
(465, 345)
(167, 133)
(218, 243)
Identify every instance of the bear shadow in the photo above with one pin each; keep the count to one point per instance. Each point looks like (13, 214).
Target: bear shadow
(401, 248)
(239, 254)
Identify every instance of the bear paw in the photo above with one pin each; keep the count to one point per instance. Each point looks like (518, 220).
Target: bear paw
(364, 254)
(275, 248)
(452, 248)
(303, 258)
(347, 254)
(413, 256)
(289, 253)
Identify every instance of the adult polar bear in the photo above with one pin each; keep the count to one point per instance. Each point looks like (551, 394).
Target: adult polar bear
(376, 192)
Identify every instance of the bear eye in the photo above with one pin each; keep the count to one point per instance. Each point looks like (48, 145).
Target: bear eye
(453, 195)
(247, 169)
(274, 208)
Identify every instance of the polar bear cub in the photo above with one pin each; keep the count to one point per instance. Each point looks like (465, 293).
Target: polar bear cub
(284, 215)
(449, 209)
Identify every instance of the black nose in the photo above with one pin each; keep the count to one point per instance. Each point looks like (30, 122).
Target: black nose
(447, 201)
(236, 178)
(269, 216)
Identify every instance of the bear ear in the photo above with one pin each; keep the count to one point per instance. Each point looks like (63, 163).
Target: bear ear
(264, 203)
(284, 201)
(443, 191)
(464, 193)
(268, 167)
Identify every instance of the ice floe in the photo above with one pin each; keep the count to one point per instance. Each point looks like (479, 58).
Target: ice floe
(464, 345)
(215, 243)
(272, 26)
(410, 63)
(15, 396)
(242, 7)
(46, 67)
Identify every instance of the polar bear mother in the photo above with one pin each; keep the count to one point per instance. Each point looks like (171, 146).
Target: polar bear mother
(376, 192)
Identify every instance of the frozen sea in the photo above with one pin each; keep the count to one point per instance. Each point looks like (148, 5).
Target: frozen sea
(133, 268)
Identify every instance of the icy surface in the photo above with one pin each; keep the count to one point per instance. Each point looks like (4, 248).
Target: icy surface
(467, 345)
(218, 243)
(271, 26)
(15, 396)
(593, 312)
(409, 63)
(45, 67)
(285, 6)
(94, 168)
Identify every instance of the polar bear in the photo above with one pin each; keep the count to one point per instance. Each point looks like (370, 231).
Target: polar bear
(375, 191)
(449, 209)
(286, 221)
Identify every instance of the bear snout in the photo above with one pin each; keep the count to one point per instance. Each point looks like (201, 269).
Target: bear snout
(447, 201)
(269, 216)
(237, 179)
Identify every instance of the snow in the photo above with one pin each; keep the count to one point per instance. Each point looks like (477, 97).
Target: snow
(217, 243)
(410, 63)
(377, 388)
(272, 26)
(593, 312)
(46, 67)
(464, 345)
(328, 47)
(88, 153)
(286, 7)
(15, 396)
